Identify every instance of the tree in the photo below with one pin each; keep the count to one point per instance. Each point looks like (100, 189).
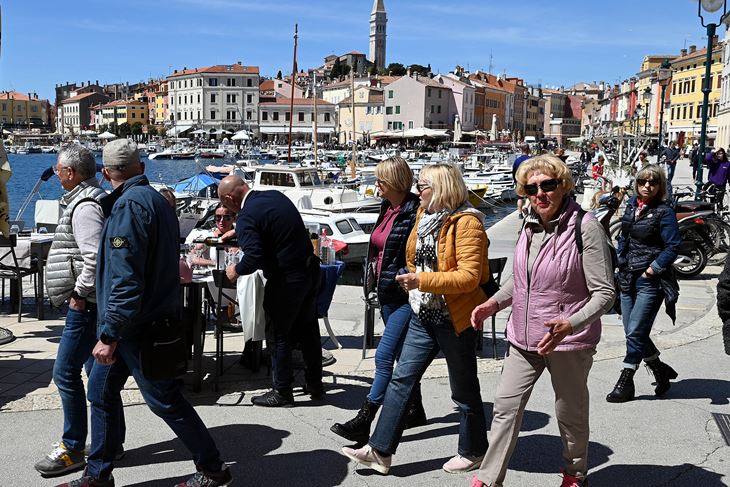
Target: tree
(336, 70)
(422, 70)
(137, 129)
(279, 75)
(151, 130)
(396, 69)
(124, 130)
(373, 70)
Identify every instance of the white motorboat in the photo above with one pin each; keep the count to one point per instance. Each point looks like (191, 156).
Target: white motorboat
(343, 227)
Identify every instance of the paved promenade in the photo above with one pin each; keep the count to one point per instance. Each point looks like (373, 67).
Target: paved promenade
(648, 442)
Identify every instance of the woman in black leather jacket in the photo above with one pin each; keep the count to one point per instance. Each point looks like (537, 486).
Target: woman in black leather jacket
(647, 248)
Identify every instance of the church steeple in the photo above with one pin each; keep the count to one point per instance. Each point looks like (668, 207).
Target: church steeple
(378, 21)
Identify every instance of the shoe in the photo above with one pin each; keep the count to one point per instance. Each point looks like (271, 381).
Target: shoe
(571, 481)
(316, 392)
(624, 389)
(120, 452)
(460, 464)
(415, 416)
(273, 399)
(232, 327)
(209, 479)
(89, 481)
(61, 461)
(358, 428)
(369, 457)
(327, 358)
(475, 482)
(662, 374)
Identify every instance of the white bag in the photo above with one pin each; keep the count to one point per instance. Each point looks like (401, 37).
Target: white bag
(250, 291)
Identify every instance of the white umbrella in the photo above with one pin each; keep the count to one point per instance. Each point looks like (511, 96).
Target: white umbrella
(199, 131)
(241, 135)
(457, 129)
(107, 136)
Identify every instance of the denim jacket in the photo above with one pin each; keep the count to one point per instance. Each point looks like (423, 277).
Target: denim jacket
(138, 277)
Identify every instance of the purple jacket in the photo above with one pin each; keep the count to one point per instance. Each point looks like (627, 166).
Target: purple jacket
(556, 288)
(718, 171)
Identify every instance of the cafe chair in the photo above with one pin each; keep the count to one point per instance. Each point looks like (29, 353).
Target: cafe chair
(496, 267)
(11, 269)
(221, 281)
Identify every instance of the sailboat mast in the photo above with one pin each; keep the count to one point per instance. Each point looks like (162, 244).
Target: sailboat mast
(353, 163)
(293, 81)
(314, 138)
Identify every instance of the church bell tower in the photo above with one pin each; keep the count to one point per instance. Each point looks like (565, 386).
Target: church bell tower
(378, 21)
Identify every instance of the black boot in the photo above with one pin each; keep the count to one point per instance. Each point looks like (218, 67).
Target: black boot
(662, 374)
(358, 428)
(416, 415)
(624, 390)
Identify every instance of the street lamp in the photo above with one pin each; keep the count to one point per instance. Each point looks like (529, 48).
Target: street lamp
(709, 6)
(664, 75)
(647, 104)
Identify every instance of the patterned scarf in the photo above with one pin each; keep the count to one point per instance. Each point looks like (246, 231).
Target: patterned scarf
(432, 306)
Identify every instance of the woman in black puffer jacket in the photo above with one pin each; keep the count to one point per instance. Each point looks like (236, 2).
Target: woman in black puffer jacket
(386, 259)
(647, 248)
(723, 304)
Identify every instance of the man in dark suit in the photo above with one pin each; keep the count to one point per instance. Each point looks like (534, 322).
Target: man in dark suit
(273, 238)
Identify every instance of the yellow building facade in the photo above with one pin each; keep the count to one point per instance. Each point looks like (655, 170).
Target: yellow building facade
(685, 110)
(369, 113)
(21, 110)
(125, 111)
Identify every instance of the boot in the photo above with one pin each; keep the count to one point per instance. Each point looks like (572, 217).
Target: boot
(624, 390)
(662, 374)
(416, 415)
(358, 428)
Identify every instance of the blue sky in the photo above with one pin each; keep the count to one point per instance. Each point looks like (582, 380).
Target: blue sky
(45, 42)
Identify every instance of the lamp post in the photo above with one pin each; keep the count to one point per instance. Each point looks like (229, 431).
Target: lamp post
(709, 6)
(664, 75)
(647, 104)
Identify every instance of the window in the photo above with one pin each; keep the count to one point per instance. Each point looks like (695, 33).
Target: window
(230, 81)
(179, 100)
(212, 97)
(312, 117)
(276, 116)
(429, 93)
(691, 107)
(264, 116)
(719, 81)
(674, 88)
(185, 115)
(390, 125)
(212, 81)
(439, 93)
(397, 109)
(433, 109)
(185, 99)
(301, 116)
(410, 124)
(277, 179)
(693, 85)
(249, 98)
(390, 93)
(230, 98)
(249, 82)
(212, 115)
(344, 227)
(672, 113)
(287, 116)
(389, 110)
(684, 112)
(249, 115)
(438, 107)
(326, 117)
(198, 114)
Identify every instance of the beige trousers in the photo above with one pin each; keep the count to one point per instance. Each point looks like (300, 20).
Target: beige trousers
(520, 372)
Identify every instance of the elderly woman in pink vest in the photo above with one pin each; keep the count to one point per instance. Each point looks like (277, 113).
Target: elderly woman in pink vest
(558, 295)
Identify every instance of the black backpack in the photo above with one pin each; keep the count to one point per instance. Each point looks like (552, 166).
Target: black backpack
(614, 257)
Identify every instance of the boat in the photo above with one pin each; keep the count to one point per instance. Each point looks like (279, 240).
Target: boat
(172, 154)
(339, 226)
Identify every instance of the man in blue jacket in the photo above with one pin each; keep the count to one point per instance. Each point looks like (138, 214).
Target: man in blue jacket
(138, 285)
(273, 238)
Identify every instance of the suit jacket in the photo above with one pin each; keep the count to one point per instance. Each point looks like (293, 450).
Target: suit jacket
(272, 236)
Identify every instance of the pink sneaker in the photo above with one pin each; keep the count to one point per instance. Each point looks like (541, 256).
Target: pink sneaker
(461, 463)
(477, 483)
(368, 457)
(571, 481)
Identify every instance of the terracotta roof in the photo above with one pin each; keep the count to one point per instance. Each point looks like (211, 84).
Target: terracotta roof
(354, 53)
(219, 69)
(429, 82)
(298, 101)
(699, 53)
(117, 103)
(14, 95)
(266, 85)
(80, 97)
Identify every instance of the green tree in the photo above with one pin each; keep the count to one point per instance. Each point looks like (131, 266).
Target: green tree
(396, 69)
(152, 130)
(422, 70)
(137, 129)
(162, 132)
(373, 70)
(279, 75)
(124, 130)
(336, 70)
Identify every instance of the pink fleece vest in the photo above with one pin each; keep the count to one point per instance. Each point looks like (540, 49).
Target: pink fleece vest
(557, 288)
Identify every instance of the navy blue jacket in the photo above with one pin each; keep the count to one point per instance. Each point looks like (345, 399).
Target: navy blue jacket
(272, 236)
(138, 277)
(394, 253)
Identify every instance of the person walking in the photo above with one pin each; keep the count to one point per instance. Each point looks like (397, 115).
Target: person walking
(671, 156)
(70, 277)
(558, 292)
(694, 159)
(273, 238)
(647, 247)
(447, 262)
(718, 174)
(723, 304)
(386, 257)
(138, 289)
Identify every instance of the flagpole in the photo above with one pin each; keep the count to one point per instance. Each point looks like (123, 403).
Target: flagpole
(293, 80)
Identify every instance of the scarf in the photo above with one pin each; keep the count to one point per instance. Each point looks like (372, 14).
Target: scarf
(432, 306)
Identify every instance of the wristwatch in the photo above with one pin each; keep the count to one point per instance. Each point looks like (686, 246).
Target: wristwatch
(106, 339)
(75, 294)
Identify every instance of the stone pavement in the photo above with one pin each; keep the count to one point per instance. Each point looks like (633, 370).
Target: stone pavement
(647, 442)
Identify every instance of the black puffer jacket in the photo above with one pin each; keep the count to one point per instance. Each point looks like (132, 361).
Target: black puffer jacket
(723, 304)
(394, 253)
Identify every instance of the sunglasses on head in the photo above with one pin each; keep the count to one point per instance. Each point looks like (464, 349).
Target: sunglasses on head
(547, 186)
(642, 182)
(223, 217)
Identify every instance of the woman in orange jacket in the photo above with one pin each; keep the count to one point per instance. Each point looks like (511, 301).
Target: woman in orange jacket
(447, 261)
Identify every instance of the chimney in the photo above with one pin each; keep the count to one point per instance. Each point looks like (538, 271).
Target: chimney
(88, 83)
(692, 49)
(97, 82)
(416, 75)
(239, 63)
(683, 52)
(82, 84)
(715, 40)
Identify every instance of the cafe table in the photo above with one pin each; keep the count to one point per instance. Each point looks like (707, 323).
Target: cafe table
(31, 248)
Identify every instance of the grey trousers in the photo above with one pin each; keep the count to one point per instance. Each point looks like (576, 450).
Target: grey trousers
(520, 372)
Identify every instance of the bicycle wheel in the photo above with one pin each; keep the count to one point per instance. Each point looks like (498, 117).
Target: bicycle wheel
(719, 232)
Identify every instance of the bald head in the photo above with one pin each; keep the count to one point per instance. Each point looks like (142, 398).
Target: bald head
(231, 192)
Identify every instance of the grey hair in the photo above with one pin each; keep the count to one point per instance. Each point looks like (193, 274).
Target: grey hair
(79, 158)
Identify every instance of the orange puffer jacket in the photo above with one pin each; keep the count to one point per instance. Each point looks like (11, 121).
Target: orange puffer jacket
(462, 263)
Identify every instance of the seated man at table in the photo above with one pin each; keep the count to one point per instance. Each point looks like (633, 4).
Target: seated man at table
(273, 238)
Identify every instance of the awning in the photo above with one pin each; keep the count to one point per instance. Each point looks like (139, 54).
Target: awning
(296, 130)
(178, 129)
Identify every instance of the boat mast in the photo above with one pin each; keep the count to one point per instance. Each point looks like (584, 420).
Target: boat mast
(293, 80)
(314, 139)
(353, 163)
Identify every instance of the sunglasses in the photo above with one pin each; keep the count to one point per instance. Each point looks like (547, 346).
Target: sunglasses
(223, 217)
(420, 187)
(642, 182)
(547, 186)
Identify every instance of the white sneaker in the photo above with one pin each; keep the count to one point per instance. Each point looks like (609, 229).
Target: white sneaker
(459, 464)
(368, 457)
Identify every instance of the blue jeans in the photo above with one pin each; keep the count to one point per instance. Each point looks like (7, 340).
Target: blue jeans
(420, 347)
(670, 171)
(74, 352)
(639, 309)
(396, 318)
(163, 397)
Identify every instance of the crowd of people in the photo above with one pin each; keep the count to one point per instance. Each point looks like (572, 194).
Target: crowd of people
(114, 261)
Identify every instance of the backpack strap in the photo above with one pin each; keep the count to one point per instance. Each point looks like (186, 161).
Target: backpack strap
(578, 230)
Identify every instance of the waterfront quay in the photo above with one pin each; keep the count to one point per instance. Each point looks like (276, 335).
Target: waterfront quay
(671, 441)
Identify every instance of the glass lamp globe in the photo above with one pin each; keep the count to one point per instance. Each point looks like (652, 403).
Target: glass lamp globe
(712, 5)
